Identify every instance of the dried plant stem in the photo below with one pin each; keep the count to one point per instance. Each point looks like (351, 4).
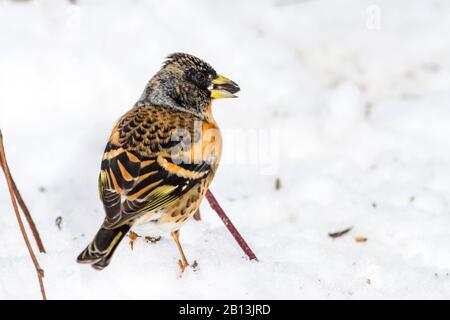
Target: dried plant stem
(27, 214)
(39, 270)
(237, 236)
(197, 215)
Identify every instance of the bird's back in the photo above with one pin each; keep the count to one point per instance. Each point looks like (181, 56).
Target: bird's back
(154, 156)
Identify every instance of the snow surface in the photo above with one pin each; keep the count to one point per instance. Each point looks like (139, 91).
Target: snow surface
(352, 116)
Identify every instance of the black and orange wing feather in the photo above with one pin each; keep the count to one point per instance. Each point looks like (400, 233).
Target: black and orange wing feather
(138, 175)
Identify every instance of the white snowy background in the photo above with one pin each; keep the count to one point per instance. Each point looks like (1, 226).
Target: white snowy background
(346, 102)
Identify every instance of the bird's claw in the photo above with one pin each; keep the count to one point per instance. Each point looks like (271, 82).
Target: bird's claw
(152, 239)
(183, 265)
(133, 236)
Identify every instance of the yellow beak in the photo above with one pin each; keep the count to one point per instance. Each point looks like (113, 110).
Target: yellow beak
(223, 88)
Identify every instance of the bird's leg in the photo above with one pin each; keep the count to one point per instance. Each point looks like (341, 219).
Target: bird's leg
(183, 262)
(133, 236)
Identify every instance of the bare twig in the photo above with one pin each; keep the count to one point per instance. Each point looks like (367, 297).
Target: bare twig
(338, 234)
(197, 216)
(237, 236)
(39, 270)
(27, 214)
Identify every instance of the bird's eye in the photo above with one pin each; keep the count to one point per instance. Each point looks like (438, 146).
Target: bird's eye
(199, 77)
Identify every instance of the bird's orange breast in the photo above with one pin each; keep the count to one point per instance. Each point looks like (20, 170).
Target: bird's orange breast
(205, 144)
(211, 140)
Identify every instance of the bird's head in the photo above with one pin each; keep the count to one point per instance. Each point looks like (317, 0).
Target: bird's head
(188, 82)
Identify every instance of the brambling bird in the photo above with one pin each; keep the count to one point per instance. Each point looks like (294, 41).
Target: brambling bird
(161, 156)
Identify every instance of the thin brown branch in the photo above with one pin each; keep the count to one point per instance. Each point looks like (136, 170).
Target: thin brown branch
(39, 270)
(197, 215)
(27, 214)
(237, 236)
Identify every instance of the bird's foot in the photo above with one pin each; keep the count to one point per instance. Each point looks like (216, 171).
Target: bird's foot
(183, 265)
(133, 236)
(152, 239)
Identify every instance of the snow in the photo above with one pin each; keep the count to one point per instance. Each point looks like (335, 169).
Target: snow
(349, 110)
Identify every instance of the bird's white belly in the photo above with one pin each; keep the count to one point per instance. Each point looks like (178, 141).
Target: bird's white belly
(150, 225)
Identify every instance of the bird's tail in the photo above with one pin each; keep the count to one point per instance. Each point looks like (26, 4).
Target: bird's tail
(99, 252)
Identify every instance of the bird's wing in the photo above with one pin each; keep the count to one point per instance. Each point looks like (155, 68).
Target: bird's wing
(139, 173)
